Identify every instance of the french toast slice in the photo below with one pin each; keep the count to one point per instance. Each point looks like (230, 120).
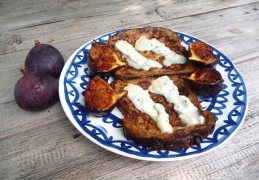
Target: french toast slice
(169, 38)
(143, 130)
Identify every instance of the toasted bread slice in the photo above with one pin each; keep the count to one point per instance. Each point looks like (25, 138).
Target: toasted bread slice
(169, 38)
(143, 130)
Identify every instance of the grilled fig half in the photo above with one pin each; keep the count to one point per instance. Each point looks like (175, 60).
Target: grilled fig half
(100, 98)
(206, 81)
(202, 54)
(102, 60)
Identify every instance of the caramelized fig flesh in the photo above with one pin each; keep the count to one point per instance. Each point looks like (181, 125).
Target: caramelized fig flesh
(102, 60)
(202, 54)
(206, 81)
(100, 98)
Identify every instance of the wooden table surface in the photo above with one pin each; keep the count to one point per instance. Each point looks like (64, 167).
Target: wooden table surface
(45, 145)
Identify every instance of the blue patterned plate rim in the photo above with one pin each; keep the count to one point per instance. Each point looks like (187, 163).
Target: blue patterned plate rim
(229, 106)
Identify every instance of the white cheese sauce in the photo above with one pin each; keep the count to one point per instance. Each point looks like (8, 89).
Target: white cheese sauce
(134, 58)
(170, 57)
(143, 102)
(188, 113)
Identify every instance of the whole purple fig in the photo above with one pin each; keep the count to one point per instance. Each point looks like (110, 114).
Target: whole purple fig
(35, 91)
(45, 59)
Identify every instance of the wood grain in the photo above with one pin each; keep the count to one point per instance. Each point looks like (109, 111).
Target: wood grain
(45, 145)
(142, 13)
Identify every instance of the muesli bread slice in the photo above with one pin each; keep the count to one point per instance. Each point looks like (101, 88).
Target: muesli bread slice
(143, 130)
(166, 36)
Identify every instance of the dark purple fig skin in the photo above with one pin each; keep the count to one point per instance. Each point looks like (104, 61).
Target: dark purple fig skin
(35, 92)
(100, 113)
(45, 59)
(206, 81)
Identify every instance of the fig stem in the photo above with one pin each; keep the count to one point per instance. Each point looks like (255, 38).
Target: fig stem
(22, 68)
(36, 42)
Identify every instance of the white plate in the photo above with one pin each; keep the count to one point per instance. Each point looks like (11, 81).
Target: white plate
(229, 106)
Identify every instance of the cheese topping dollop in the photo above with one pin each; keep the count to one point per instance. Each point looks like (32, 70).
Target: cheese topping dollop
(143, 102)
(188, 113)
(170, 57)
(134, 58)
(138, 61)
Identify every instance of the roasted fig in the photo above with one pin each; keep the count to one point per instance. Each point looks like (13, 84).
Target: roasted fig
(100, 98)
(206, 81)
(202, 54)
(102, 60)
(35, 91)
(44, 59)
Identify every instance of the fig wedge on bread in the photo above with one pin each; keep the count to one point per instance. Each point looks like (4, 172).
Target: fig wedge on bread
(202, 54)
(100, 98)
(102, 60)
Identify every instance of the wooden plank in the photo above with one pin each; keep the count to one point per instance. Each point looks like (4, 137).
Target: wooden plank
(79, 27)
(54, 11)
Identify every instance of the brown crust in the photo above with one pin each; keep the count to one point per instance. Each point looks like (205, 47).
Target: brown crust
(166, 36)
(140, 128)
